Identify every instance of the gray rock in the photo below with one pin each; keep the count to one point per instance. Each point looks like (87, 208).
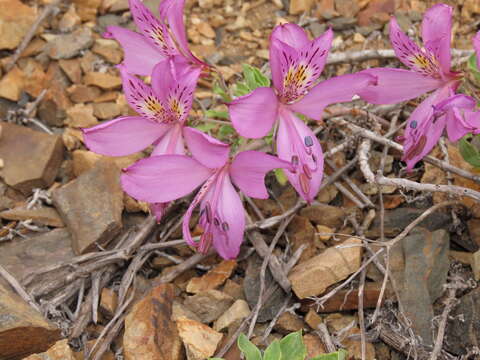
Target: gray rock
(342, 23)
(209, 305)
(69, 45)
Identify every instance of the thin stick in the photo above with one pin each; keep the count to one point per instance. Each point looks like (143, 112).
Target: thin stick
(18, 288)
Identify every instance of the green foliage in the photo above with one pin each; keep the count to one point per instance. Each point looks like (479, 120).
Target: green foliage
(217, 114)
(217, 89)
(469, 152)
(472, 67)
(253, 78)
(250, 351)
(291, 347)
(281, 177)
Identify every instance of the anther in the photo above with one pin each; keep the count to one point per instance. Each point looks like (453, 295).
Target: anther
(225, 226)
(216, 221)
(304, 183)
(413, 124)
(307, 171)
(295, 160)
(308, 141)
(208, 212)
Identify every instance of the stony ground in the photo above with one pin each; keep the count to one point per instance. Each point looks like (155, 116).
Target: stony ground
(87, 274)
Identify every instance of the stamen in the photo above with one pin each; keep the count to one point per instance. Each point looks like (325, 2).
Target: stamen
(216, 222)
(205, 242)
(413, 124)
(225, 226)
(417, 149)
(304, 183)
(295, 160)
(308, 141)
(314, 158)
(208, 212)
(307, 171)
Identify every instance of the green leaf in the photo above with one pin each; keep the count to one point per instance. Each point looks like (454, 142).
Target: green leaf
(469, 152)
(205, 127)
(225, 131)
(472, 67)
(293, 347)
(281, 177)
(254, 77)
(273, 352)
(217, 114)
(217, 89)
(339, 355)
(215, 359)
(241, 89)
(250, 351)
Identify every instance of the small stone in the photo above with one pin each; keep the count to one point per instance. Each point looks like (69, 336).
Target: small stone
(72, 138)
(313, 276)
(16, 19)
(233, 289)
(302, 233)
(34, 78)
(69, 45)
(60, 351)
(347, 8)
(326, 215)
(200, 340)
(213, 279)
(91, 206)
(206, 30)
(209, 305)
(298, 7)
(150, 332)
(238, 311)
(474, 230)
(84, 161)
(358, 38)
(70, 20)
(205, 4)
(102, 80)
(72, 69)
(108, 49)
(180, 311)
(324, 233)
(42, 215)
(108, 301)
(313, 319)
(81, 116)
(11, 85)
(80, 93)
(314, 346)
(23, 330)
(106, 110)
(288, 322)
(32, 158)
(327, 194)
(87, 9)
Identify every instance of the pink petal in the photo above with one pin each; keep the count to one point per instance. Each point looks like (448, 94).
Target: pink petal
(171, 12)
(248, 171)
(397, 85)
(292, 140)
(461, 101)
(424, 129)
(154, 31)
(140, 56)
(158, 210)
(163, 178)
(338, 89)
(437, 28)
(409, 53)
(254, 114)
(476, 45)
(314, 55)
(290, 34)
(206, 149)
(140, 96)
(229, 211)
(460, 123)
(123, 136)
(281, 55)
(171, 142)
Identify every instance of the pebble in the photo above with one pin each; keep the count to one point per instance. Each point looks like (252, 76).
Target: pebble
(11, 85)
(238, 311)
(81, 116)
(200, 341)
(102, 80)
(209, 305)
(213, 279)
(59, 351)
(16, 19)
(42, 215)
(69, 45)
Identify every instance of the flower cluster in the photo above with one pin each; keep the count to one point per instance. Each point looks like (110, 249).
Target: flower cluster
(184, 158)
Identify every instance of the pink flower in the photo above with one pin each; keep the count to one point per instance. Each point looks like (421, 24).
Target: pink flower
(163, 109)
(429, 71)
(158, 39)
(296, 64)
(169, 177)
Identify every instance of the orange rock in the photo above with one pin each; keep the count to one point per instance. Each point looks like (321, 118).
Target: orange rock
(59, 351)
(16, 20)
(102, 80)
(200, 340)
(12, 84)
(213, 279)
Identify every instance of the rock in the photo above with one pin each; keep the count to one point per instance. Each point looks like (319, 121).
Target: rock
(72, 138)
(108, 301)
(206, 30)
(81, 116)
(69, 20)
(251, 287)
(106, 110)
(326, 215)
(180, 311)
(200, 340)
(324, 233)
(233, 289)
(16, 20)
(34, 78)
(312, 277)
(59, 351)
(87, 9)
(102, 80)
(150, 332)
(22, 255)
(354, 348)
(42, 215)
(419, 274)
(69, 45)
(209, 305)
(300, 6)
(80, 93)
(31, 158)
(347, 8)
(109, 50)
(377, 11)
(23, 330)
(11, 85)
(91, 206)
(238, 311)
(313, 319)
(72, 69)
(84, 160)
(396, 220)
(301, 232)
(314, 346)
(288, 322)
(474, 230)
(213, 279)
(341, 24)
